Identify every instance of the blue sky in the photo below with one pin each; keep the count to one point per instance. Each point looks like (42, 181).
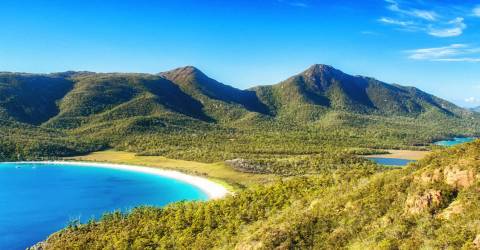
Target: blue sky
(431, 45)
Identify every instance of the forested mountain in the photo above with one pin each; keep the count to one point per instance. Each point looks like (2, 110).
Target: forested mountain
(69, 100)
(432, 204)
(309, 129)
(324, 88)
(31, 98)
(140, 112)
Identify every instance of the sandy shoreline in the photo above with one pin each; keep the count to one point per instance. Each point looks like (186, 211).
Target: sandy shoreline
(212, 189)
(402, 154)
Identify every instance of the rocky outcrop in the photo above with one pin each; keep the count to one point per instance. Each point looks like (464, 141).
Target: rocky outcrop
(39, 246)
(458, 178)
(419, 203)
(244, 165)
(454, 208)
(476, 242)
(454, 176)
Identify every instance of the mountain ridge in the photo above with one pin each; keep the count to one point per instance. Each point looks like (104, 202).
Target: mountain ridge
(186, 92)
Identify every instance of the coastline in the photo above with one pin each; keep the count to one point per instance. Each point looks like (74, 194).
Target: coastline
(211, 189)
(413, 155)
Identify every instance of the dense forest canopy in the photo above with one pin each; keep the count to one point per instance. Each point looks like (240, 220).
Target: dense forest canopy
(307, 131)
(185, 114)
(432, 204)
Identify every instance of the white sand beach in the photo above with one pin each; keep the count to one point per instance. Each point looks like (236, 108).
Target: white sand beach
(212, 189)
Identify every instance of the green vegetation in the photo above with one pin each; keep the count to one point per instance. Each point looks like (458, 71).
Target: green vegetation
(184, 114)
(432, 204)
(290, 150)
(218, 172)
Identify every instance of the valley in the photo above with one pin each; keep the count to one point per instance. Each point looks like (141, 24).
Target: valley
(295, 154)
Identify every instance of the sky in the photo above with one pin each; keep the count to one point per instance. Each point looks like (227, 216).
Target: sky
(432, 45)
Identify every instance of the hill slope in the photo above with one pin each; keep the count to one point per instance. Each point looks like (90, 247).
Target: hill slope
(432, 204)
(31, 98)
(142, 112)
(323, 88)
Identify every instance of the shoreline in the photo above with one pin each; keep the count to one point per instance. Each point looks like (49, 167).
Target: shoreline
(211, 189)
(412, 155)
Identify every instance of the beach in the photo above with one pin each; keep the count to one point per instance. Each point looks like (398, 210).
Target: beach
(402, 154)
(212, 189)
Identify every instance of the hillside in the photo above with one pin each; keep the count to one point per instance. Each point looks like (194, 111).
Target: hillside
(322, 88)
(432, 204)
(166, 113)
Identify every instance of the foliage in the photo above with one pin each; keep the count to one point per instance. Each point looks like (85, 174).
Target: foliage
(356, 208)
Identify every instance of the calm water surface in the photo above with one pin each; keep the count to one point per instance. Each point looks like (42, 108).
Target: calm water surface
(454, 141)
(39, 199)
(391, 161)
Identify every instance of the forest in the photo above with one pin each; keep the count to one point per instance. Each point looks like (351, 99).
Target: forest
(309, 132)
(431, 204)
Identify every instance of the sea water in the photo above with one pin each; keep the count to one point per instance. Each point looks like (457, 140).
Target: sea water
(39, 199)
(391, 161)
(454, 141)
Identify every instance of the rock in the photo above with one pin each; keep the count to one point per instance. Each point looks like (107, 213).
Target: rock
(39, 246)
(417, 204)
(459, 178)
(429, 177)
(476, 242)
(243, 165)
(455, 208)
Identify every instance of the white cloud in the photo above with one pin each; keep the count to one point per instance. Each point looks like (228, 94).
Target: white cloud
(418, 17)
(294, 3)
(436, 53)
(451, 53)
(427, 15)
(476, 11)
(472, 100)
(456, 29)
(423, 14)
(395, 22)
(462, 59)
(369, 33)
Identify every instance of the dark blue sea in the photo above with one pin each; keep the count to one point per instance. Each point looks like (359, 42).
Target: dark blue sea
(39, 199)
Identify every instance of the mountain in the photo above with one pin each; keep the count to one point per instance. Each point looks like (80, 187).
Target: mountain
(71, 99)
(323, 88)
(476, 109)
(30, 98)
(124, 111)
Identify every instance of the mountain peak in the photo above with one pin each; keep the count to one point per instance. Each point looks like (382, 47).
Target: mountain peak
(187, 72)
(320, 69)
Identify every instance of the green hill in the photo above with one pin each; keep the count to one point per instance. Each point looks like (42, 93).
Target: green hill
(322, 88)
(146, 112)
(432, 204)
(30, 98)
(305, 131)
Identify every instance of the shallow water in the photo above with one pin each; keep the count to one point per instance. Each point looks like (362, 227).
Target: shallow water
(39, 199)
(391, 161)
(454, 141)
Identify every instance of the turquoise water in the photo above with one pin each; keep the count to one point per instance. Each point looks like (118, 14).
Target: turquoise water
(391, 161)
(454, 141)
(39, 199)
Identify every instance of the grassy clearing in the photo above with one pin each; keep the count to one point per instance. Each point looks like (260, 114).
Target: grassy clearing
(217, 172)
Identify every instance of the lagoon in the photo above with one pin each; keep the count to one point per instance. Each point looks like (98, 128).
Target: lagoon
(391, 161)
(454, 141)
(39, 199)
